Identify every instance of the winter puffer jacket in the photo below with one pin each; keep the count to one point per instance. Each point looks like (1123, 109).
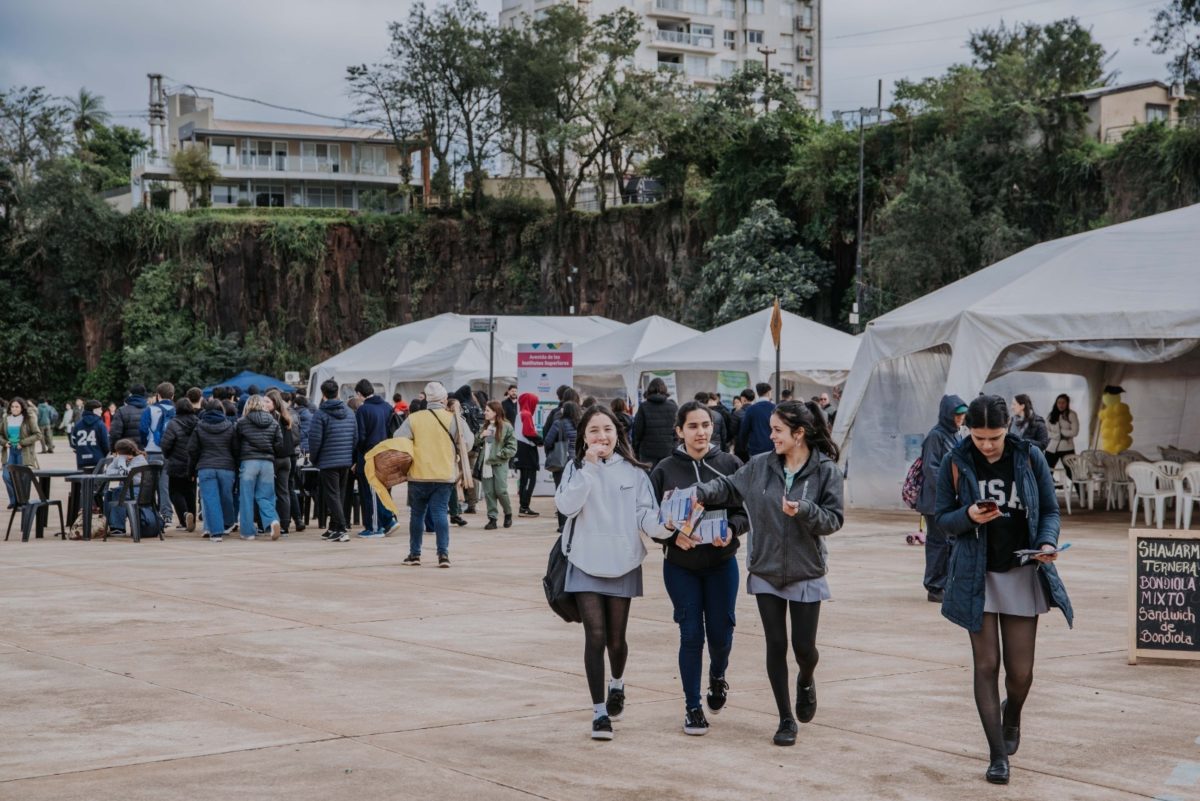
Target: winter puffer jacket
(259, 437)
(681, 470)
(175, 444)
(128, 420)
(331, 436)
(783, 549)
(214, 443)
(654, 429)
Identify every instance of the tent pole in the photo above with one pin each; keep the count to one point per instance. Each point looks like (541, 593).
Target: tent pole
(491, 360)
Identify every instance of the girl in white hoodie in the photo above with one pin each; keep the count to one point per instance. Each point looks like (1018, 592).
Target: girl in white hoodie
(609, 502)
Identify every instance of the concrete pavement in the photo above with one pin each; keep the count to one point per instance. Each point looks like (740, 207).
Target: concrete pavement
(303, 669)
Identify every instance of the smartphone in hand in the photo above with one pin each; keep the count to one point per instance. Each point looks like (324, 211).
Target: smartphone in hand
(987, 506)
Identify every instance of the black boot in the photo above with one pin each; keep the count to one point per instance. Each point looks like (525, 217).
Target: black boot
(508, 521)
(491, 524)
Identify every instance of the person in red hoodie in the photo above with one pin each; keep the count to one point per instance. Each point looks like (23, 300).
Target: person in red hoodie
(399, 406)
(528, 449)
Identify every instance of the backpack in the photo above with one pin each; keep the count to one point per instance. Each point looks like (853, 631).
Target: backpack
(157, 432)
(152, 522)
(394, 422)
(914, 482)
(474, 417)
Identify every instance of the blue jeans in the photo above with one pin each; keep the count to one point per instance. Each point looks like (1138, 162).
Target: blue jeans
(14, 457)
(435, 497)
(257, 487)
(164, 485)
(216, 499)
(375, 517)
(704, 601)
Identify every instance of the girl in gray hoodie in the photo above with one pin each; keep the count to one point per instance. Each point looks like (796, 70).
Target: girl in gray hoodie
(793, 497)
(609, 503)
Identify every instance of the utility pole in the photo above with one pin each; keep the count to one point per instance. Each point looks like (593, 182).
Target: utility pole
(861, 114)
(767, 52)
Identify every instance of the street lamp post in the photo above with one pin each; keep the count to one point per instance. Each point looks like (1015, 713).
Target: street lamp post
(767, 52)
(861, 115)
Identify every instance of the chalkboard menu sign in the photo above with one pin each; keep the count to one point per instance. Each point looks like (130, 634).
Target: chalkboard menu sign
(1165, 600)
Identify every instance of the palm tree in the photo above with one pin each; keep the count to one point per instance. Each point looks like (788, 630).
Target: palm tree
(87, 114)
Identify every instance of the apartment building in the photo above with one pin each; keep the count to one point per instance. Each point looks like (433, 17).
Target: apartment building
(279, 164)
(707, 40)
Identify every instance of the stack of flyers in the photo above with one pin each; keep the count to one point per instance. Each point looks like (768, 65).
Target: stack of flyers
(677, 505)
(712, 528)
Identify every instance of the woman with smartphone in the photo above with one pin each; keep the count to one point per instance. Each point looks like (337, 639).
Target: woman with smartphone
(793, 498)
(606, 497)
(700, 570)
(996, 496)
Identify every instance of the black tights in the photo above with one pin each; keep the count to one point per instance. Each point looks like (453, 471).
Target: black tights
(1018, 635)
(774, 610)
(605, 619)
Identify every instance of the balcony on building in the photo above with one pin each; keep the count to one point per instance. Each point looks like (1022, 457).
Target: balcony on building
(676, 9)
(677, 35)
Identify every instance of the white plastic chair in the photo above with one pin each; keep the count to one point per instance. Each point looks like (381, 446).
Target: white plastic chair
(1062, 484)
(1081, 476)
(1145, 488)
(1119, 489)
(1168, 479)
(1189, 491)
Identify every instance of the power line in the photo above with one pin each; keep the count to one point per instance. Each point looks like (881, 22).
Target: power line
(943, 19)
(194, 87)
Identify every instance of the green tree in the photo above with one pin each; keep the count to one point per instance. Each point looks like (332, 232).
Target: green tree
(195, 171)
(559, 78)
(379, 102)
(757, 262)
(1176, 33)
(87, 114)
(111, 150)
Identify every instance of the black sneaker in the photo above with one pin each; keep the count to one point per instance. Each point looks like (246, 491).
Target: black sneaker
(443, 560)
(342, 536)
(718, 694)
(786, 734)
(528, 513)
(458, 520)
(694, 723)
(615, 704)
(329, 534)
(412, 560)
(806, 701)
(508, 521)
(602, 728)
(491, 524)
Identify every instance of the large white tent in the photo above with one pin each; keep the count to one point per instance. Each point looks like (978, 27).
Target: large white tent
(607, 366)
(1118, 305)
(443, 348)
(814, 356)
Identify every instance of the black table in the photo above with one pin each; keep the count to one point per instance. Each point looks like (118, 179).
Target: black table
(87, 484)
(43, 477)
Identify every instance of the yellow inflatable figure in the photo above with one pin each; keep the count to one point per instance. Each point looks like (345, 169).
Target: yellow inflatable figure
(1116, 422)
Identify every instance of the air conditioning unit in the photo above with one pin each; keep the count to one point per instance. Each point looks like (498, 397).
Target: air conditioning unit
(1178, 92)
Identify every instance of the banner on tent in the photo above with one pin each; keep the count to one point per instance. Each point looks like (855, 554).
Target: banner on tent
(731, 383)
(542, 367)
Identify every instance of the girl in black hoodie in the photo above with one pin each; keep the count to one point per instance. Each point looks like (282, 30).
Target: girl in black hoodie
(701, 579)
(181, 480)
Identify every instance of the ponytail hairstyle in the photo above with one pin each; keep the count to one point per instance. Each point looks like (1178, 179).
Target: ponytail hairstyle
(1065, 413)
(622, 447)
(1026, 405)
(988, 411)
(808, 416)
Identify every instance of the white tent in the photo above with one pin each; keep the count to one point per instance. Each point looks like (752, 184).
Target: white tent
(607, 365)
(814, 356)
(412, 354)
(1118, 305)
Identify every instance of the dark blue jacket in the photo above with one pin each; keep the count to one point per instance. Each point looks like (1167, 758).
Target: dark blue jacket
(371, 421)
(155, 417)
(940, 440)
(304, 414)
(128, 418)
(754, 434)
(89, 440)
(332, 435)
(963, 601)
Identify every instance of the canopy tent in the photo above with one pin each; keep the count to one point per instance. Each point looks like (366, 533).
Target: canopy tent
(1118, 305)
(246, 379)
(607, 365)
(814, 356)
(386, 358)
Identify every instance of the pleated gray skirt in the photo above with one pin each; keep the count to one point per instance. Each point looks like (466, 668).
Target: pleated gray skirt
(1017, 592)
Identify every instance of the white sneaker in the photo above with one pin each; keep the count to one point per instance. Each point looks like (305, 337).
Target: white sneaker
(342, 537)
(394, 531)
(276, 530)
(217, 538)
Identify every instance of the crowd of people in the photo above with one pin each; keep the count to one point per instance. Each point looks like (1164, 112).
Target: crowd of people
(760, 471)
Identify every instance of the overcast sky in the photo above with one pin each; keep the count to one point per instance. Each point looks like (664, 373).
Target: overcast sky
(294, 53)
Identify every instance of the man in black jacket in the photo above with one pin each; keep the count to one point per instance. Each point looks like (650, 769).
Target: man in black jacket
(128, 419)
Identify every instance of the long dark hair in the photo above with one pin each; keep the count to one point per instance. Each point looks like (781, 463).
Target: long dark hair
(1026, 405)
(19, 401)
(988, 411)
(501, 417)
(808, 416)
(1055, 414)
(622, 447)
(572, 412)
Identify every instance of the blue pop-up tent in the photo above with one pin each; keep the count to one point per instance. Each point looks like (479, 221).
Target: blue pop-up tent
(245, 379)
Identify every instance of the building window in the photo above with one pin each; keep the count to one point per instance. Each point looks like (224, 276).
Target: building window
(268, 195)
(754, 37)
(728, 68)
(1157, 113)
(731, 40)
(225, 194)
(347, 198)
(222, 152)
(755, 6)
(321, 197)
(787, 8)
(729, 9)
(696, 65)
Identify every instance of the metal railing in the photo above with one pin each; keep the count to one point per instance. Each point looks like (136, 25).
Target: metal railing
(670, 66)
(682, 6)
(269, 163)
(684, 38)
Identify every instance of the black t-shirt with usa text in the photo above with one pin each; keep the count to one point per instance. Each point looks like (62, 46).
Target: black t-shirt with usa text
(1011, 532)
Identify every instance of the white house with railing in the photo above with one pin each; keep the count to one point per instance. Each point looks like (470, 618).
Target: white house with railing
(280, 164)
